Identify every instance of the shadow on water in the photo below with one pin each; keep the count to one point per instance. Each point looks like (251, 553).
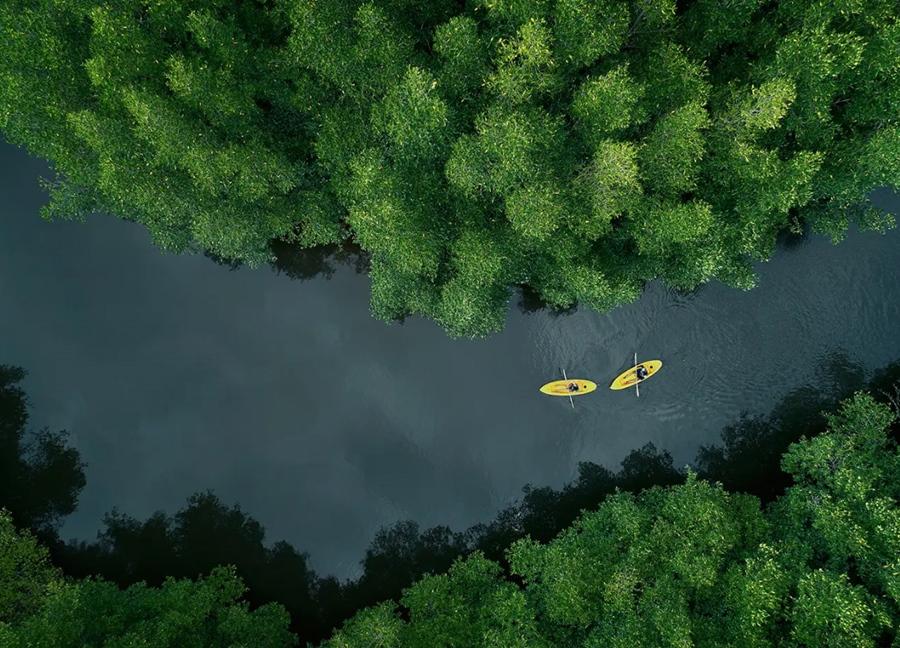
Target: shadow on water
(302, 264)
(40, 475)
(41, 479)
(530, 301)
(749, 458)
(306, 263)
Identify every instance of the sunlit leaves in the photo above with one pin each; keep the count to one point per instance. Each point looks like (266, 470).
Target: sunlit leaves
(876, 80)
(467, 167)
(396, 293)
(661, 225)
(608, 186)
(203, 613)
(591, 140)
(670, 153)
(755, 590)
(469, 606)
(844, 507)
(476, 296)
(322, 39)
(630, 567)
(833, 219)
(535, 210)
(214, 92)
(320, 219)
(600, 290)
(42, 78)
(671, 78)
(585, 30)
(829, 611)
(816, 60)
(464, 55)
(513, 147)
(525, 64)
(386, 219)
(873, 162)
(607, 104)
(778, 186)
(121, 52)
(26, 575)
(378, 626)
(380, 51)
(413, 116)
(763, 107)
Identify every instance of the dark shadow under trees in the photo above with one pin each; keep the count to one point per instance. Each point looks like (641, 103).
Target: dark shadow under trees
(40, 475)
(304, 263)
(749, 459)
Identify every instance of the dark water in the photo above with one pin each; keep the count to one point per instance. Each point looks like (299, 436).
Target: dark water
(174, 375)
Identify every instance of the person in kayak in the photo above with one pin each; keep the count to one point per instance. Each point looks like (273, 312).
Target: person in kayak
(641, 372)
(573, 387)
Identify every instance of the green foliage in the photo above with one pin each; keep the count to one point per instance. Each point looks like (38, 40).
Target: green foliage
(37, 608)
(26, 575)
(876, 79)
(525, 65)
(607, 104)
(670, 153)
(223, 126)
(816, 59)
(514, 12)
(671, 78)
(690, 564)
(513, 147)
(464, 57)
(843, 509)
(387, 217)
(654, 14)
(534, 210)
(664, 226)
(180, 613)
(587, 30)
(608, 186)
(829, 611)
(376, 626)
(413, 117)
(469, 605)
(711, 24)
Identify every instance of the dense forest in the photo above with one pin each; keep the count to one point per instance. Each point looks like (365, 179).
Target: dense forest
(575, 148)
(171, 560)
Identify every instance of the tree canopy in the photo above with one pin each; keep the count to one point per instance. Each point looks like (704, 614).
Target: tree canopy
(39, 608)
(689, 565)
(577, 148)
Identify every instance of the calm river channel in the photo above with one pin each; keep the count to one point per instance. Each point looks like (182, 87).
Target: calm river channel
(174, 375)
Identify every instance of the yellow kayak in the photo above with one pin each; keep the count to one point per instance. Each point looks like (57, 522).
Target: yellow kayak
(628, 378)
(561, 387)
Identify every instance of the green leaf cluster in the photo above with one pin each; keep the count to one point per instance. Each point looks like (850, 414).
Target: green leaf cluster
(590, 145)
(39, 608)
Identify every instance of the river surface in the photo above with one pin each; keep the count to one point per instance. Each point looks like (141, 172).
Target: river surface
(174, 374)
